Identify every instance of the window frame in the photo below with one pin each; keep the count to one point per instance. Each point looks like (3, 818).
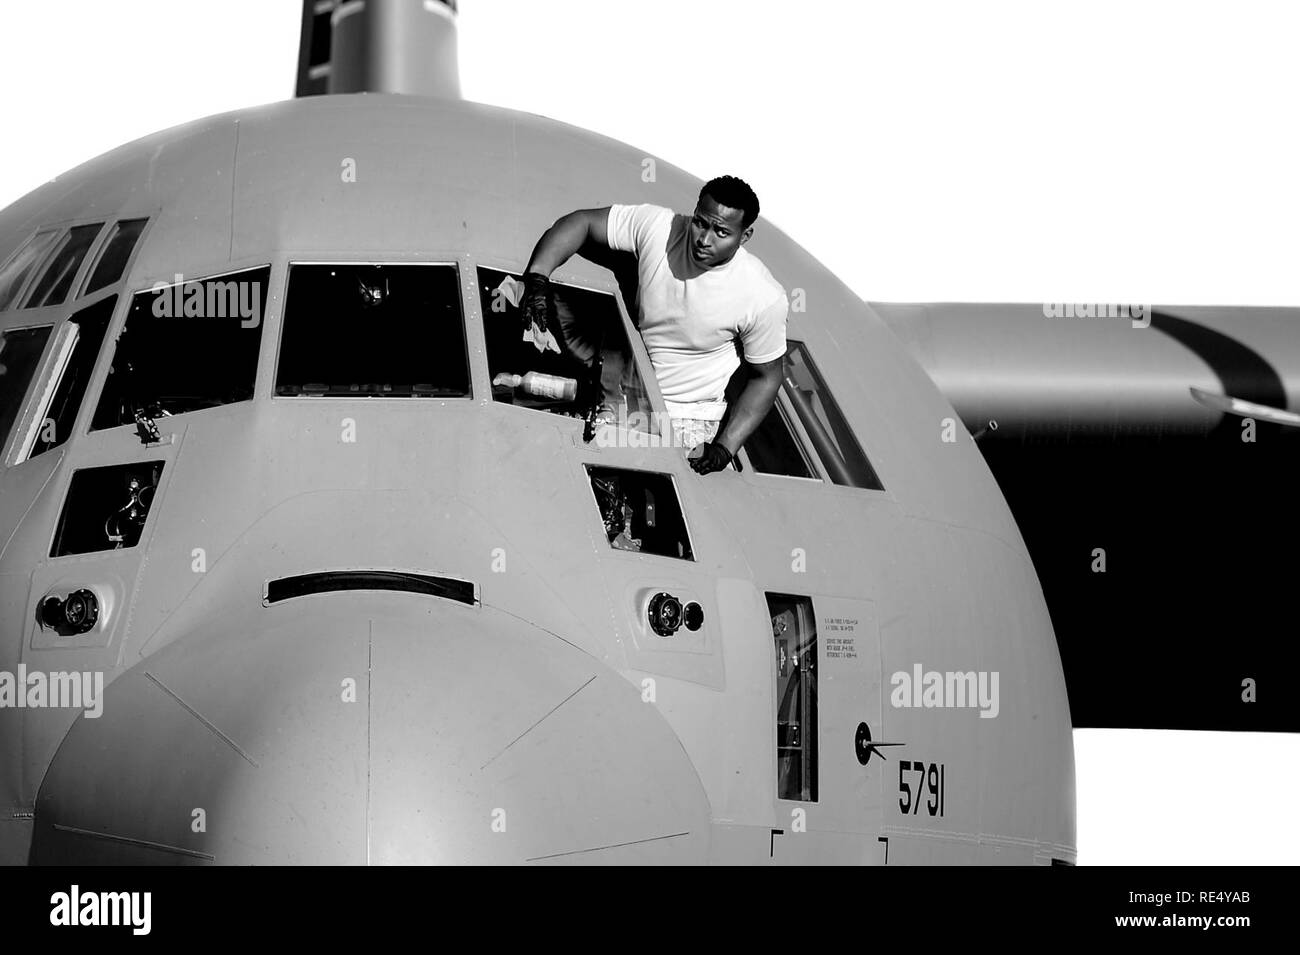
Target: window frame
(287, 261)
(69, 336)
(21, 292)
(62, 343)
(97, 251)
(117, 326)
(801, 440)
(587, 283)
(64, 229)
(79, 276)
(806, 446)
(22, 421)
(77, 289)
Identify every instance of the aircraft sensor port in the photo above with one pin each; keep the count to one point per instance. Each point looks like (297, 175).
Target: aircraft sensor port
(76, 613)
(665, 613)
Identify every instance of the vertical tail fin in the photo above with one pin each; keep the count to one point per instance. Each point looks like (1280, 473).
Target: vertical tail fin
(378, 46)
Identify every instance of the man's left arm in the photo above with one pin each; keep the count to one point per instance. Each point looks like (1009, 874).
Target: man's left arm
(748, 413)
(753, 404)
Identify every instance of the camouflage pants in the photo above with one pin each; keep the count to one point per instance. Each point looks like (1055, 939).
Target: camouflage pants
(688, 432)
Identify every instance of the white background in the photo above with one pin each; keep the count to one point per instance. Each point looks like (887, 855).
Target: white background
(1090, 152)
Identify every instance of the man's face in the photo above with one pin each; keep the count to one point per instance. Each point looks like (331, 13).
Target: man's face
(716, 233)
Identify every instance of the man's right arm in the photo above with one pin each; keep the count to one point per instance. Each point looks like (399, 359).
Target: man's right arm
(569, 234)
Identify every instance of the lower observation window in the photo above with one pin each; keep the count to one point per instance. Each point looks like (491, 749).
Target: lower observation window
(640, 511)
(373, 331)
(106, 508)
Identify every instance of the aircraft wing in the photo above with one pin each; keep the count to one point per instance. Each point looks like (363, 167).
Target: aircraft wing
(1150, 456)
(1245, 409)
(1066, 374)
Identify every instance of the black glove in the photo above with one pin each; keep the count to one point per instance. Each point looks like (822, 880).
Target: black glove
(538, 304)
(714, 458)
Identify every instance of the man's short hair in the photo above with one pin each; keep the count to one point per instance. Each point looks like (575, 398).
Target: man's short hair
(734, 193)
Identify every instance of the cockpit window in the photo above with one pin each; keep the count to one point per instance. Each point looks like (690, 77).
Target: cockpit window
(373, 331)
(773, 447)
(827, 429)
(78, 350)
(115, 254)
(57, 278)
(185, 347)
(595, 365)
(19, 268)
(20, 353)
(806, 426)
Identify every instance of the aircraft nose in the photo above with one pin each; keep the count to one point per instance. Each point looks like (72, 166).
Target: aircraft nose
(355, 729)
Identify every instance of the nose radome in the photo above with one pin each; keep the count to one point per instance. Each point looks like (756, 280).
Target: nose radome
(371, 728)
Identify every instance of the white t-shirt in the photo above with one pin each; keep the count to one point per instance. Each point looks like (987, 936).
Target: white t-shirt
(691, 316)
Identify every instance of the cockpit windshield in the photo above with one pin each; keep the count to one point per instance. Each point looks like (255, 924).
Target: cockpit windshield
(373, 331)
(186, 347)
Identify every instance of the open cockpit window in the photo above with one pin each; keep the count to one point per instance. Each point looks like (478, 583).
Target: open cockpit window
(77, 349)
(185, 347)
(594, 366)
(56, 280)
(373, 331)
(773, 447)
(827, 429)
(20, 354)
(20, 267)
(806, 426)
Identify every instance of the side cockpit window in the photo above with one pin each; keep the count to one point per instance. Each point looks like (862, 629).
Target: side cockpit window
(373, 331)
(594, 366)
(773, 447)
(185, 347)
(20, 354)
(827, 429)
(56, 280)
(114, 254)
(806, 428)
(77, 349)
(47, 265)
(16, 272)
(42, 274)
